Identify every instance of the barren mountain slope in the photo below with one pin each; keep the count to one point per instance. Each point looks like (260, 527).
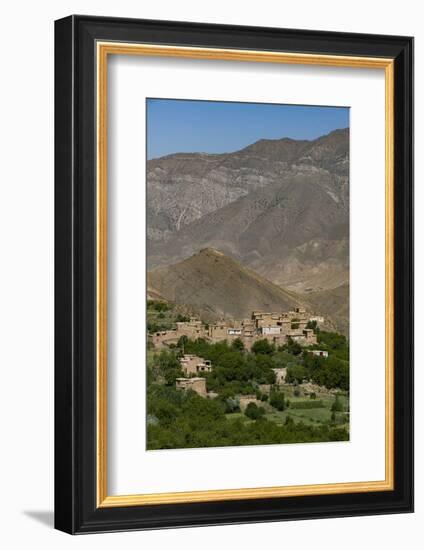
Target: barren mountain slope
(333, 304)
(217, 286)
(277, 206)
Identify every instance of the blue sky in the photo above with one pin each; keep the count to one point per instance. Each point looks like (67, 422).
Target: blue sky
(175, 126)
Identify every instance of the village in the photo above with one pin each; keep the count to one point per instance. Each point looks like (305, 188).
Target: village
(276, 328)
(192, 366)
(283, 367)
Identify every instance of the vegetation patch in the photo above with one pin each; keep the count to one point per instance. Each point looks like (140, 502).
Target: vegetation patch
(282, 413)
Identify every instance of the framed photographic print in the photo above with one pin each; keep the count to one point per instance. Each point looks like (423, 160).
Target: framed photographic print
(234, 274)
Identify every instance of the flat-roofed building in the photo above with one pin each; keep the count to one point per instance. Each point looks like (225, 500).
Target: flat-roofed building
(193, 365)
(319, 352)
(276, 327)
(280, 375)
(196, 384)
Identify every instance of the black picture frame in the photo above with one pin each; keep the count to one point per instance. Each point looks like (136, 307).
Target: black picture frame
(76, 510)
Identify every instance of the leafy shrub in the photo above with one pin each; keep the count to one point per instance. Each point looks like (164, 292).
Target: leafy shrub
(238, 344)
(296, 374)
(232, 404)
(337, 406)
(182, 318)
(254, 412)
(277, 400)
(263, 347)
(158, 305)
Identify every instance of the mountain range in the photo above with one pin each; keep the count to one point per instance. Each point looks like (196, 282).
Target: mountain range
(278, 208)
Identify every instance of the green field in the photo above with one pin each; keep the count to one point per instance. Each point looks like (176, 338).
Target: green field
(310, 416)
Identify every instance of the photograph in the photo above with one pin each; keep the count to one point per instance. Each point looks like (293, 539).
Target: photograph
(210, 273)
(247, 261)
(233, 273)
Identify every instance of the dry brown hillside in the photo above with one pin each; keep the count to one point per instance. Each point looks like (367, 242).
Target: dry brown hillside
(332, 304)
(218, 286)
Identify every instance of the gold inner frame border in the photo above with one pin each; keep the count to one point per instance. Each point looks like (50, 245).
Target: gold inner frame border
(103, 50)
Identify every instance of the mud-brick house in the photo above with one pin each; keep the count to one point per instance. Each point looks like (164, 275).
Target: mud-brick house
(280, 375)
(218, 331)
(231, 330)
(194, 365)
(305, 337)
(319, 352)
(163, 338)
(279, 327)
(246, 399)
(194, 328)
(196, 384)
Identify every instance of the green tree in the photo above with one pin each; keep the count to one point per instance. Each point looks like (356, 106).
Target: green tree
(171, 376)
(335, 343)
(238, 344)
(337, 405)
(167, 360)
(293, 347)
(263, 347)
(334, 373)
(168, 366)
(183, 342)
(289, 422)
(157, 305)
(182, 318)
(232, 404)
(254, 412)
(277, 400)
(296, 373)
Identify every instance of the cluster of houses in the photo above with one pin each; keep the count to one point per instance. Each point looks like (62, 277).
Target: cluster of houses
(193, 366)
(277, 328)
(274, 327)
